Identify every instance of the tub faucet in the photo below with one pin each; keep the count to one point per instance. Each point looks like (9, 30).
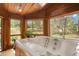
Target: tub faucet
(46, 42)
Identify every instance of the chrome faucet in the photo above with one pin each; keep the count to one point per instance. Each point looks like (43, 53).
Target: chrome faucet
(46, 42)
(55, 44)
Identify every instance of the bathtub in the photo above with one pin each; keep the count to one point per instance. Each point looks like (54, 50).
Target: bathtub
(36, 47)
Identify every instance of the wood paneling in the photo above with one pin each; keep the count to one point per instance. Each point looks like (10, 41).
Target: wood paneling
(55, 9)
(34, 10)
(46, 25)
(23, 28)
(6, 42)
(9, 9)
(26, 7)
(70, 8)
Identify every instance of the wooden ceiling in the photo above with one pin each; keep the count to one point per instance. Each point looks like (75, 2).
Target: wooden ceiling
(26, 8)
(35, 10)
(55, 10)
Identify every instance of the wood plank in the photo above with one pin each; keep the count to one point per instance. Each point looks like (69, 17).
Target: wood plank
(6, 42)
(26, 7)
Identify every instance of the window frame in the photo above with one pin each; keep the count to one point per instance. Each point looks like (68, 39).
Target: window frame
(32, 20)
(11, 35)
(65, 18)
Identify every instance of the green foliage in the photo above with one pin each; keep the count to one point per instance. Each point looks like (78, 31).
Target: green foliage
(15, 23)
(75, 27)
(14, 39)
(70, 25)
(29, 33)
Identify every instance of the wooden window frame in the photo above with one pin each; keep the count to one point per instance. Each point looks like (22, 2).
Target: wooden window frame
(33, 27)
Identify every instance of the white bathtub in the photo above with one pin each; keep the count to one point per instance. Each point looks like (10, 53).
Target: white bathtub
(36, 47)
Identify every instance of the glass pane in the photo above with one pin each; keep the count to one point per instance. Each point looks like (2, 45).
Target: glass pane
(66, 27)
(36, 26)
(29, 25)
(72, 26)
(15, 30)
(57, 27)
(15, 26)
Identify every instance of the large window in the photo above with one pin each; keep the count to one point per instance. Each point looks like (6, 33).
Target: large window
(65, 27)
(36, 26)
(57, 27)
(15, 30)
(71, 28)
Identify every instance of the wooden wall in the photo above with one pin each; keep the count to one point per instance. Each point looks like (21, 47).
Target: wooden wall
(46, 27)
(23, 28)
(6, 41)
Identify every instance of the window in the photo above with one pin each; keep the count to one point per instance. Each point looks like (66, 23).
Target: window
(15, 29)
(65, 27)
(57, 27)
(36, 26)
(71, 27)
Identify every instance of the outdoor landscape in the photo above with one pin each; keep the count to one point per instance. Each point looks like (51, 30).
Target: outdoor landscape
(65, 27)
(36, 26)
(15, 30)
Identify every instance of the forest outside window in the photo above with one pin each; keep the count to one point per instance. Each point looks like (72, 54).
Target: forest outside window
(57, 27)
(15, 30)
(72, 24)
(36, 26)
(65, 27)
